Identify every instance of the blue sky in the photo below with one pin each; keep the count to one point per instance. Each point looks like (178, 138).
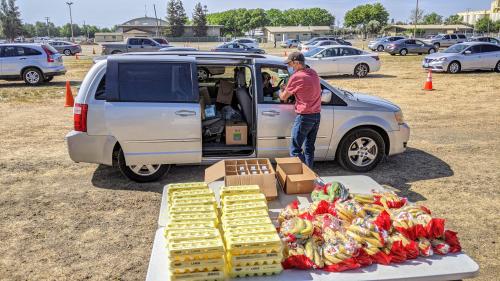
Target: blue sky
(110, 12)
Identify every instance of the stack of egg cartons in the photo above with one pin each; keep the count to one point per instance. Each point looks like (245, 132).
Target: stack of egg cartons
(194, 242)
(253, 246)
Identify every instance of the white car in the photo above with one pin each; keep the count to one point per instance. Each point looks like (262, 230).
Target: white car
(309, 47)
(252, 43)
(333, 60)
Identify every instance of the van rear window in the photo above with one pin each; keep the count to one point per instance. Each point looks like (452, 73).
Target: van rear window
(156, 82)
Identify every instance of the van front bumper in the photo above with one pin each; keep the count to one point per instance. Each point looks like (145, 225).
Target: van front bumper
(90, 149)
(399, 139)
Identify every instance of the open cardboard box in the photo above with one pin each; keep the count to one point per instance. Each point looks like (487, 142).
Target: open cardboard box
(294, 176)
(245, 172)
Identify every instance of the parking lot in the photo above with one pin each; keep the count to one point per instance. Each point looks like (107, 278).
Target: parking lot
(63, 220)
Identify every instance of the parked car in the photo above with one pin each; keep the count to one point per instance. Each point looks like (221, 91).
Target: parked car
(144, 125)
(484, 39)
(313, 40)
(290, 43)
(307, 48)
(238, 48)
(131, 45)
(334, 60)
(409, 46)
(446, 40)
(381, 43)
(465, 56)
(33, 63)
(177, 49)
(247, 41)
(66, 48)
(162, 41)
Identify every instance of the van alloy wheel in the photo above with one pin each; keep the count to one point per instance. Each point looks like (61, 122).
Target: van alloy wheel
(144, 170)
(363, 151)
(141, 173)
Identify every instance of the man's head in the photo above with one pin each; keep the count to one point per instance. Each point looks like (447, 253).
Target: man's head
(296, 60)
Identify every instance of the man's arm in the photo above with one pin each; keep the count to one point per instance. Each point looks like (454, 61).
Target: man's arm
(285, 94)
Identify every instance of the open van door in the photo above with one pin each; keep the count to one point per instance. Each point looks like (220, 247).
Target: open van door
(152, 109)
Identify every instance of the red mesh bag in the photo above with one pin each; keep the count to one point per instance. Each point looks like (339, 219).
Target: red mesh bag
(347, 264)
(383, 221)
(363, 258)
(381, 258)
(435, 228)
(398, 253)
(450, 237)
(411, 250)
(299, 262)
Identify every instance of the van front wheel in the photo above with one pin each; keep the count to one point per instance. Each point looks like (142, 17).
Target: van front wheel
(141, 173)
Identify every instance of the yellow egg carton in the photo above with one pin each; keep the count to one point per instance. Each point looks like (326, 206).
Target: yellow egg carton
(254, 259)
(195, 250)
(245, 214)
(255, 270)
(250, 206)
(202, 200)
(192, 209)
(191, 193)
(199, 276)
(186, 225)
(174, 236)
(235, 222)
(217, 264)
(251, 229)
(253, 244)
(243, 198)
(185, 186)
(238, 189)
(185, 217)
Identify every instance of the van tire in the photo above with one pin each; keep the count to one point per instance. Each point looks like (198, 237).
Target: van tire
(127, 171)
(349, 139)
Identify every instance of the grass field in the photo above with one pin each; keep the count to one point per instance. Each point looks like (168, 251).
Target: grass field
(60, 220)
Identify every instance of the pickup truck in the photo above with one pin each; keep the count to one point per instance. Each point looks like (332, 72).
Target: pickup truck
(131, 45)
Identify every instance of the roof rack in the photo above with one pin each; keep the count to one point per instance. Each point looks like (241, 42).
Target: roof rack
(200, 54)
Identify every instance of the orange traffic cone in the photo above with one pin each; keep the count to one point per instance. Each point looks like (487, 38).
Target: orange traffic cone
(428, 83)
(69, 96)
(93, 51)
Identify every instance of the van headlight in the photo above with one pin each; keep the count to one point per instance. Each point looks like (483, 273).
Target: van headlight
(399, 117)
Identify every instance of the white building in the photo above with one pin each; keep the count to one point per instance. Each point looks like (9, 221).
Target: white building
(471, 17)
(282, 33)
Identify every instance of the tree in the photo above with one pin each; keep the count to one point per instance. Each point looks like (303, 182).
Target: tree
(10, 19)
(258, 19)
(199, 21)
(454, 19)
(485, 24)
(176, 18)
(275, 17)
(29, 30)
(66, 30)
(433, 18)
(373, 27)
(360, 16)
(416, 16)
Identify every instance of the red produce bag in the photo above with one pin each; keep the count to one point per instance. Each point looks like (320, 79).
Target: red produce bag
(363, 258)
(299, 262)
(411, 250)
(323, 208)
(450, 237)
(347, 264)
(435, 228)
(398, 253)
(383, 221)
(381, 258)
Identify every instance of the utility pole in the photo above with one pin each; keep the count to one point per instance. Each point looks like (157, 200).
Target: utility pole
(416, 20)
(157, 23)
(48, 26)
(71, 20)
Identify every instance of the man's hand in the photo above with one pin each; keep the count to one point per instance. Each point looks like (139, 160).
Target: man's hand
(285, 95)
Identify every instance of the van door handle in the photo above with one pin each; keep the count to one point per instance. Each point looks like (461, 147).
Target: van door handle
(270, 113)
(185, 113)
(22, 59)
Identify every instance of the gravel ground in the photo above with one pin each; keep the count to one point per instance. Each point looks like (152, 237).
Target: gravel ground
(62, 220)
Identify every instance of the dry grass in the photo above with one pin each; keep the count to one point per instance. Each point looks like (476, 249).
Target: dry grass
(61, 220)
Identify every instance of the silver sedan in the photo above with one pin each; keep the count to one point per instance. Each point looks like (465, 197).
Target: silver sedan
(465, 56)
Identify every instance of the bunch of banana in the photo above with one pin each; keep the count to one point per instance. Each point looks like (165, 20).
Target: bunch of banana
(296, 250)
(396, 236)
(349, 210)
(335, 253)
(287, 213)
(425, 247)
(369, 237)
(298, 227)
(363, 198)
(403, 219)
(312, 251)
(373, 208)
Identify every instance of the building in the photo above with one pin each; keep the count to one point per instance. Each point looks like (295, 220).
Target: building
(471, 17)
(424, 30)
(150, 27)
(282, 33)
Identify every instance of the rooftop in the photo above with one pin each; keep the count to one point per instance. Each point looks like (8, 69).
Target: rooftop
(432, 26)
(297, 28)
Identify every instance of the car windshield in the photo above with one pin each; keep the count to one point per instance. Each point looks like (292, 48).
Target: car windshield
(312, 52)
(456, 48)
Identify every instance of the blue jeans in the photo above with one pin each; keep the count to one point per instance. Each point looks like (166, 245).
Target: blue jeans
(304, 132)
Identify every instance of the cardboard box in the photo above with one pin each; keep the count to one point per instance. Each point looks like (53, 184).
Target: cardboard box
(236, 133)
(245, 172)
(294, 176)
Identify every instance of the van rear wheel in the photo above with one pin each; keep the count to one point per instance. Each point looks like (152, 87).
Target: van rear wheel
(141, 173)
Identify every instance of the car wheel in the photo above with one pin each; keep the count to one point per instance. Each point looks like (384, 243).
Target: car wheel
(403, 52)
(67, 52)
(497, 67)
(431, 51)
(380, 48)
(361, 150)
(361, 70)
(454, 67)
(141, 173)
(437, 45)
(203, 74)
(33, 76)
(48, 79)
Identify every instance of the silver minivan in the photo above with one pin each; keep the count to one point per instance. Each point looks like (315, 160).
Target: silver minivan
(143, 112)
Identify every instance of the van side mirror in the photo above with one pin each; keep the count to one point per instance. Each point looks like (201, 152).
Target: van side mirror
(326, 96)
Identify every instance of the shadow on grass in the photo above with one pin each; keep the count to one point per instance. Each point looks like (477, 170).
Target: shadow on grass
(347, 76)
(398, 171)
(21, 84)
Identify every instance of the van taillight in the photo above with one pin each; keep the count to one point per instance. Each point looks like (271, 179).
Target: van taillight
(80, 117)
(49, 53)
